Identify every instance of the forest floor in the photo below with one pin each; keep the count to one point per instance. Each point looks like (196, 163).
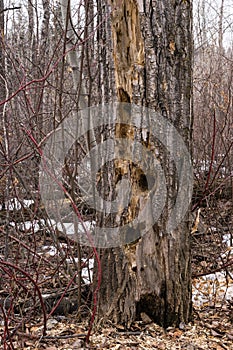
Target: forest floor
(212, 328)
(212, 324)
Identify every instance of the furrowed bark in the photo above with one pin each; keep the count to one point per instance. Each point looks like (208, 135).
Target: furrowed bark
(152, 51)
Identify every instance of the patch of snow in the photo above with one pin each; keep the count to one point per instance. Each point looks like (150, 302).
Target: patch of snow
(228, 253)
(227, 238)
(69, 228)
(14, 204)
(212, 289)
(27, 225)
(87, 271)
(71, 260)
(50, 250)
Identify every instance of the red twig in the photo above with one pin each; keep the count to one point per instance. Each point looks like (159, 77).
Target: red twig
(220, 164)
(6, 329)
(212, 154)
(224, 266)
(211, 164)
(8, 264)
(75, 208)
(50, 71)
(29, 249)
(62, 296)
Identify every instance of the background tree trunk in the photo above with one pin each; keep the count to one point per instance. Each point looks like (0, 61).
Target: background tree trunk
(152, 51)
(2, 78)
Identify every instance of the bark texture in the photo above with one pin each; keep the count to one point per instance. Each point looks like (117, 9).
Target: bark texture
(2, 98)
(152, 51)
(2, 64)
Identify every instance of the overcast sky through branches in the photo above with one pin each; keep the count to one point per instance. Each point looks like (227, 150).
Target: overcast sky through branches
(211, 21)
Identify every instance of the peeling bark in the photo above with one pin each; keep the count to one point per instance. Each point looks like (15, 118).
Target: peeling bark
(128, 51)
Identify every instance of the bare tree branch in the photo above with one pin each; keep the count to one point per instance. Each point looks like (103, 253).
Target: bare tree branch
(11, 8)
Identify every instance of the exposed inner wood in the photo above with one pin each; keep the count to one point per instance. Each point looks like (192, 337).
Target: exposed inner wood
(152, 61)
(128, 53)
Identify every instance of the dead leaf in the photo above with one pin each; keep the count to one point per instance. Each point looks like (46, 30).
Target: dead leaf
(215, 334)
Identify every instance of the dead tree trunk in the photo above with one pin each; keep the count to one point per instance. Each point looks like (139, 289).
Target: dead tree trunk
(152, 52)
